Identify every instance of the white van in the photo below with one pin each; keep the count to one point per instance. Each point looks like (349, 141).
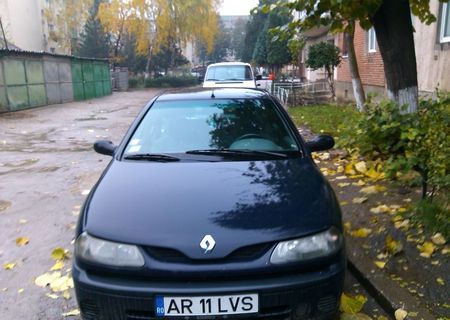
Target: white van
(230, 74)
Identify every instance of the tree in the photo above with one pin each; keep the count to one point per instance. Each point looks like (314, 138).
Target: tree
(324, 55)
(94, 41)
(255, 24)
(278, 53)
(133, 61)
(160, 23)
(393, 27)
(260, 50)
(221, 47)
(237, 40)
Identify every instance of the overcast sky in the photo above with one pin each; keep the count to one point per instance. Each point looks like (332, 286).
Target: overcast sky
(237, 7)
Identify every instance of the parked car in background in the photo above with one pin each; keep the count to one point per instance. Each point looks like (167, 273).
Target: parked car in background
(230, 74)
(211, 207)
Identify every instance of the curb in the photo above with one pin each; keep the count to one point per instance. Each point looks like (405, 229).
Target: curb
(387, 293)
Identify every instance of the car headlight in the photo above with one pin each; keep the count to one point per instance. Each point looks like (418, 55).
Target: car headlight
(107, 252)
(307, 248)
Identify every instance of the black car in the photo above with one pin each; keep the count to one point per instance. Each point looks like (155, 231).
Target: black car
(211, 208)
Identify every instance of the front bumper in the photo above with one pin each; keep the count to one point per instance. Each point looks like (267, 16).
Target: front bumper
(312, 295)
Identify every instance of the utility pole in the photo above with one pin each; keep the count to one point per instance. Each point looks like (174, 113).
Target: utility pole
(3, 33)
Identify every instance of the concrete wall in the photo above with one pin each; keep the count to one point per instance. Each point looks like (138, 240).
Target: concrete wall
(58, 80)
(35, 79)
(433, 56)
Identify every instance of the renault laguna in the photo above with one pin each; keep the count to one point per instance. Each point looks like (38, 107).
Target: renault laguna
(211, 208)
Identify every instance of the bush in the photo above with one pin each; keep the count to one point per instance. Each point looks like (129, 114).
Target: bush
(136, 82)
(171, 82)
(407, 141)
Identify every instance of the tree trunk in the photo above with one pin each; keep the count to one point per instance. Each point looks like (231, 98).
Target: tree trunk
(330, 78)
(358, 89)
(394, 31)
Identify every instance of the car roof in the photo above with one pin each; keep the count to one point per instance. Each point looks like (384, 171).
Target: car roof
(229, 64)
(213, 93)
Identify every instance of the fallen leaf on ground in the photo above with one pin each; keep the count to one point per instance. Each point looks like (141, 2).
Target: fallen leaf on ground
(347, 226)
(380, 264)
(352, 305)
(52, 296)
(400, 314)
(392, 246)
(9, 266)
(21, 290)
(66, 295)
(59, 254)
(22, 241)
(4, 205)
(343, 203)
(380, 209)
(23, 221)
(324, 156)
(373, 189)
(440, 281)
(349, 170)
(361, 232)
(45, 279)
(402, 224)
(446, 250)
(359, 183)
(61, 284)
(72, 313)
(438, 239)
(427, 249)
(359, 200)
(57, 266)
(343, 184)
(361, 167)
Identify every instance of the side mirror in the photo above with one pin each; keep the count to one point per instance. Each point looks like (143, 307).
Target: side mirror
(105, 147)
(258, 77)
(320, 143)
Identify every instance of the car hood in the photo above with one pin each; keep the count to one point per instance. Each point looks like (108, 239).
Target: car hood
(238, 203)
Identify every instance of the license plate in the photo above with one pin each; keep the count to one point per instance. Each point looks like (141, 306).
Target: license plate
(208, 305)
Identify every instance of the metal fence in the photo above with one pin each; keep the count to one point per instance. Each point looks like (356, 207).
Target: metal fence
(31, 79)
(296, 93)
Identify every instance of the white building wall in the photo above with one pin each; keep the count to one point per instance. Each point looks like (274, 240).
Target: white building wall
(22, 21)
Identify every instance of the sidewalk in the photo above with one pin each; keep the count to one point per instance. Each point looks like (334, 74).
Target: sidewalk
(383, 244)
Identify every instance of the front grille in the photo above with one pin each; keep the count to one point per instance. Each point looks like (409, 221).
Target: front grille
(327, 304)
(247, 253)
(89, 310)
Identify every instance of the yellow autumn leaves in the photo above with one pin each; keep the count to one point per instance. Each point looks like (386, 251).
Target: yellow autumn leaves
(55, 279)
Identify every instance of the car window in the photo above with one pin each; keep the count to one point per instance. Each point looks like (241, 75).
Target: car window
(180, 126)
(220, 73)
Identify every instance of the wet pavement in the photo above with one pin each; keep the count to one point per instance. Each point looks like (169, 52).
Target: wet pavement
(47, 167)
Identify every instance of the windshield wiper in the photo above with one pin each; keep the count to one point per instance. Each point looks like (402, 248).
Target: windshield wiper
(151, 157)
(237, 152)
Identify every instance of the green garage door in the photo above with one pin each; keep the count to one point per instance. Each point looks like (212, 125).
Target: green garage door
(77, 81)
(90, 79)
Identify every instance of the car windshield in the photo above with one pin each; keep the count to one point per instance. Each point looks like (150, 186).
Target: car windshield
(223, 73)
(205, 125)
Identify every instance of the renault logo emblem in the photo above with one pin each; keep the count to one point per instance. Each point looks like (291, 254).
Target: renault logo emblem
(208, 243)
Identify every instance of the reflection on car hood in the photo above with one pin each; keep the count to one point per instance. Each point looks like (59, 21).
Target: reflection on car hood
(239, 203)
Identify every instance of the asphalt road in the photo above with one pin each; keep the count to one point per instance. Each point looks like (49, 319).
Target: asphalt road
(47, 166)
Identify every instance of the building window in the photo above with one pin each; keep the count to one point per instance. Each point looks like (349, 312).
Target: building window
(445, 23)
(371, 40)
